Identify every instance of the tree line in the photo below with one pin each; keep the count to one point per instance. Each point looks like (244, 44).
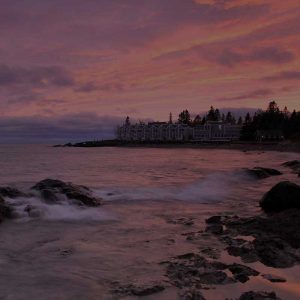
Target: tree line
(288, 123)
(212, 115)
(271, 119)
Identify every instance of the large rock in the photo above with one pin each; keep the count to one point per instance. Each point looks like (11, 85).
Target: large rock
(53, 190)
(5, 210)
(261, 173)
(282, 196)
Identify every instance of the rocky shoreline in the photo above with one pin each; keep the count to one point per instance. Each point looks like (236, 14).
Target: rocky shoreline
(271, 238)
(235, 145)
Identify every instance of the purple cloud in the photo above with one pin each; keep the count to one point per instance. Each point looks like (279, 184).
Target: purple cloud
(285, 75)
(35, 76)
(92, 86)
(252, 94)
(271, 55)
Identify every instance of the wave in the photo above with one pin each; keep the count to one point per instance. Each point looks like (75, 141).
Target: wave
(26, 209)
(213, 188)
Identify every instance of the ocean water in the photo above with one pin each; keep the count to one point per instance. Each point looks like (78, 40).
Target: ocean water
(141, 173)
(81, 253)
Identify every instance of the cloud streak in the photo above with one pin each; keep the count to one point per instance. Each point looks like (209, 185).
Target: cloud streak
(35, 76)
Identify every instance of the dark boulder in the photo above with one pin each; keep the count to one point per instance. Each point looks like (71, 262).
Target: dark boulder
(6, 212)
(214, 220)
(261, 173)
(52, 190)
(282, 196)
(259, 296)
(293, 164)
(11, 192)
(214, 229)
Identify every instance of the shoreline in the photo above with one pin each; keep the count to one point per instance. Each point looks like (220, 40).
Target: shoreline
(242, 146)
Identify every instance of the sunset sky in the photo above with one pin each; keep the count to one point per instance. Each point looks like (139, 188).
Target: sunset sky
(73, 68)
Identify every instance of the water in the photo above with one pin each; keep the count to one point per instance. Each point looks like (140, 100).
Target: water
(76, 253)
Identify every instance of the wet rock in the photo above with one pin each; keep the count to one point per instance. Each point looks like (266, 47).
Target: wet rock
(274, 252)
(258, 296)
(215, 229)
(211, 252)
(191, 294)
(190, 270)
(275, 242)
(214, 277)
(282, 196)
(193, 235)
(273, 278)
(213, 220)
(32, 211)
(246, 252)
(293, 164)
(261, 173)
(49, 196)
(52, 189)
(11, 192)
(6, 212)
(138, 290)
(146, 290)
(241, 272)
(66, 252)
(182, 221)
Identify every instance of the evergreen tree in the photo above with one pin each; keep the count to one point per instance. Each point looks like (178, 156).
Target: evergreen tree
(197, 120)
(248, 118)
(240, 121)
(184, 117)
(223, 118)
(229, 117)
(211, 115)
(217, 115)
(127, 121)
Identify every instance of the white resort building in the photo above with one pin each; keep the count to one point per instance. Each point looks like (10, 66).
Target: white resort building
(163, 131)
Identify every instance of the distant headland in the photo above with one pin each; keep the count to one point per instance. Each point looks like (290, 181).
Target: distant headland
(271, 129)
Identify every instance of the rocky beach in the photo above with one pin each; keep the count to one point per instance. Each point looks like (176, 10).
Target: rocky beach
(211, 227)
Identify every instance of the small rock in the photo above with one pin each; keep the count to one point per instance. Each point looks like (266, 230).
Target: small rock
(293, 164)
(191, 294)
(182, 221)
(147, 290)
(241, 272)
(261, 173)
(211, 252)
(258, 296)
(135, 290)
(273, 278)
(32, 211)
(215, 277)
